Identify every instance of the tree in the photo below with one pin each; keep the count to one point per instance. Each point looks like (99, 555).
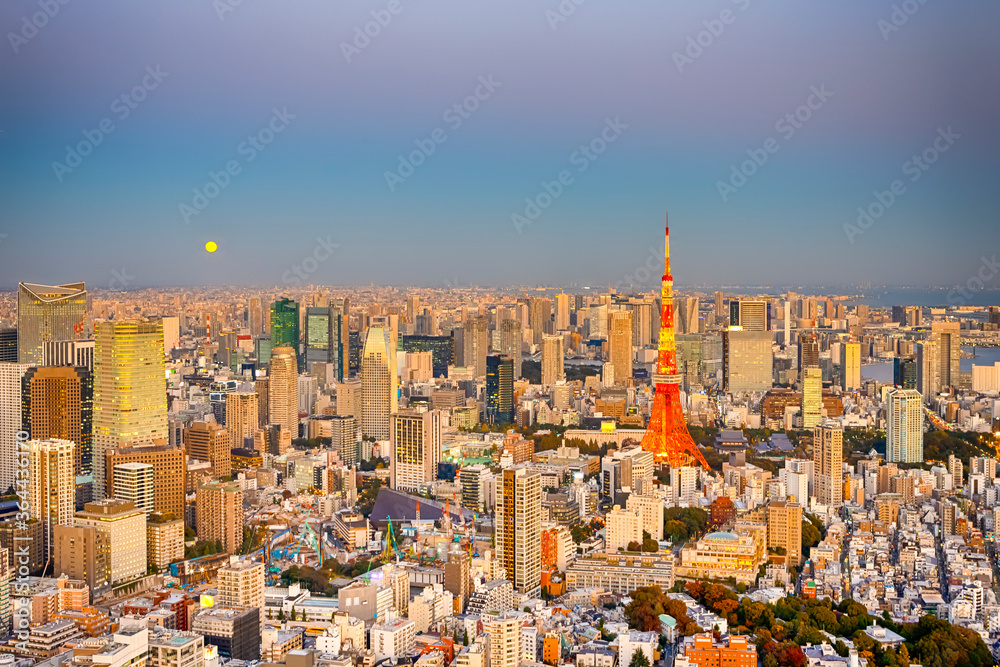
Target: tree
(639, 659)
(650, 545)
(633, 546)
(281, 614)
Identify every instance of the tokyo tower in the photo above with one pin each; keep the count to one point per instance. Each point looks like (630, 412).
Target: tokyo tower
(667, 435)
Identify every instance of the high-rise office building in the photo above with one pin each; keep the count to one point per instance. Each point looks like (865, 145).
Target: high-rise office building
(620, 345)
(125, 527)
(130, 392)
(747, 361)
(904, 373)
(204, 441)
(687, 311)
(283, 390)
(499, 389)
(928, 367)
(948, 338)
(562, 312)
(58, 402)
(51, 485)
(242, 416)
(285, 324)
(169, 471)
(8, 345)
(808, 351)
(828, 463)
(340, 338)
(642, 322)
(416, 449)
(749, 314)
(317, 338)
(134, 482)
(720, 310)
(69, 353)
(82, 553)
(219, 510)
(518, 527)
(599, 322)
(476, 341)
(379, 394)
(539, 318)
(510, 343)
(784, 529)
(11, 420)
(852, 366)
(812, 397)
(412, 309)
(48, 312)
(255, 315)
(904, 436)
(552, 360)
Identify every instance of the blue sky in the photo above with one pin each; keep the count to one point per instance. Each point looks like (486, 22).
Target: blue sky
(685, 118)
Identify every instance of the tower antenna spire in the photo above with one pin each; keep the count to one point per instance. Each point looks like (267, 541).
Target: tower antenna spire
(667, 434)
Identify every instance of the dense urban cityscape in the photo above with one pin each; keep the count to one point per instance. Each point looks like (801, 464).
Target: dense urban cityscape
(334, 477)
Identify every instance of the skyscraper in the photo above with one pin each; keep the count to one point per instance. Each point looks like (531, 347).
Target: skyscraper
(134, 482)
(255, 315)
(747, 361)
(285, 324)
(620, 345)
(340, 337)
(948, 338)
(242, 416)
(904, 373)
(552, 360)
(416, 448)
(749, 314)
(219, 508)
(519, 527)
(720, 310)
(10, 419)
(828, 463)
(58, 402)
(808, 351)
(812, 397)
(125, 528)
(687, 321)
(510, 343)
(8, 345)
(928, 367)
(379, 394)
(51, 485)
(169, 471)
(317, 339)
(539, 318)
(904, 436)
(283, 390)
(130, 392)
(499, 389)
(48, 312)
(476, 341)
(562, 312)
(784, 529)
(852, 366)
(210, 442)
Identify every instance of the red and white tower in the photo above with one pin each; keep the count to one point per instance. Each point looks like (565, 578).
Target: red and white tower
(667, 435)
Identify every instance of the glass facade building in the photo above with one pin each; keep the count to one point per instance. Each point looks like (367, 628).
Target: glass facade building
(46, 313)
(285, 324)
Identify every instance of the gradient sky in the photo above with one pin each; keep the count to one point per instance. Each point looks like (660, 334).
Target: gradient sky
(450, 222)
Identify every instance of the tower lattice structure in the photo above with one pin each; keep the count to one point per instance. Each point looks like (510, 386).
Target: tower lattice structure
(667, 435)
